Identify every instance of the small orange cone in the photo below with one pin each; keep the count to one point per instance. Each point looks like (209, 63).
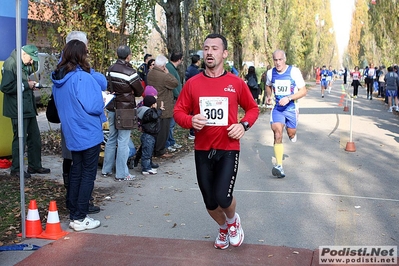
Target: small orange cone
(350, 146)
(341, 100)
(33, 225)
(53, 227)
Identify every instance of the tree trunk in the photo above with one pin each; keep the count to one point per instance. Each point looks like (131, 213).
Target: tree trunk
(173, 28)
(187, 33)
(173, 25)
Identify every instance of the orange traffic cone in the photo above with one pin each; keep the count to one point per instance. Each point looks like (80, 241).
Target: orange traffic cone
(53, 227)
(350, 146)
(33, 225)
(341, 100)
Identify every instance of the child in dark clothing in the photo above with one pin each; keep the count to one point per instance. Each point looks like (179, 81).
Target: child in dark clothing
(149, 90)
(150, 124)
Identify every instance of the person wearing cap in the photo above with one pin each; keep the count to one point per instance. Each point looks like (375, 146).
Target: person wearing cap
(124, 82)
(30, 59)
(149, 117)
(143, 68)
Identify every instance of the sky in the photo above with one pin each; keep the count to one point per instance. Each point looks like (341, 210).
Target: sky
(342, 15)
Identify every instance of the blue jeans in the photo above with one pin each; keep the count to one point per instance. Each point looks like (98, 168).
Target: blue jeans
(81, 181)
(375, 86)
(132, 149)
(171, 140)
(147, 145)
(120, 137)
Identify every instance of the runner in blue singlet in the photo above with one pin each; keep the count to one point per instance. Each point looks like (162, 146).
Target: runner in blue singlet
(287, 84)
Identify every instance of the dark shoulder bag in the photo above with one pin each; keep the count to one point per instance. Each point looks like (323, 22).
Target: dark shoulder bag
(125, 119)
(51, 111)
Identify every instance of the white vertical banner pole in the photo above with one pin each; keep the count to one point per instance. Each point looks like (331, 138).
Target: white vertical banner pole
(18, 27)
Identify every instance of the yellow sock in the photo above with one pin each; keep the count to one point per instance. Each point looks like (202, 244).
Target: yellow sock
(278, 153)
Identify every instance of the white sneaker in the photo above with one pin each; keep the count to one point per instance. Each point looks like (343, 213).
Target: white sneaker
(150, 172)
(390, 110)
(191, 137)
(171, 149)
(236, 234)
(329, 90)
(129, 177)
(294, 139)
(278, 171)
(85, 224)
(177, 146)
(222, 240)
(396, 108)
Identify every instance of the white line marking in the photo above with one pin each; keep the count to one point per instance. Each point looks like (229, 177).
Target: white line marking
(310, 193)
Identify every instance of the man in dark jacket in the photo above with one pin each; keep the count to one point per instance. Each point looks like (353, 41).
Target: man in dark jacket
(143, 68)
(193, 69)
(29, 56)
(125, 83)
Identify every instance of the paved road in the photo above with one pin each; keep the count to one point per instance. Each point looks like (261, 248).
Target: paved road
(329, 196)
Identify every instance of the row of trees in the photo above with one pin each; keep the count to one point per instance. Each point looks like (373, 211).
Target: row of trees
(254, 28)
(374, 37)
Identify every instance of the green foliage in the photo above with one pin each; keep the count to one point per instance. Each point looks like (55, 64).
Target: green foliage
(254, 28)
(130, 19)
(353, 47)
(105, 31)
(383, 24)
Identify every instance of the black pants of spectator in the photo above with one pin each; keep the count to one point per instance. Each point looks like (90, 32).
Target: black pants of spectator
(66, 169)
(137, 158)
(369, 84)
(255, 94)
(192, 132)
(162, 137)
(381, 87)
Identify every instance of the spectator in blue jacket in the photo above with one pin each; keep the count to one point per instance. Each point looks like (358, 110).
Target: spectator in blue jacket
(79, 101)
(66, 154)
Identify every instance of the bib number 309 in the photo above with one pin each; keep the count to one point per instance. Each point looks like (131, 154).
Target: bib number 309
(215, 109)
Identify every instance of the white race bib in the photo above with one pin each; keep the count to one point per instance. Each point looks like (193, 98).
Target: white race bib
(215, 109)
(282, 87)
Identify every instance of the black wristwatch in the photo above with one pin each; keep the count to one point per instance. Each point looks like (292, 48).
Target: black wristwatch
(245, 125)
